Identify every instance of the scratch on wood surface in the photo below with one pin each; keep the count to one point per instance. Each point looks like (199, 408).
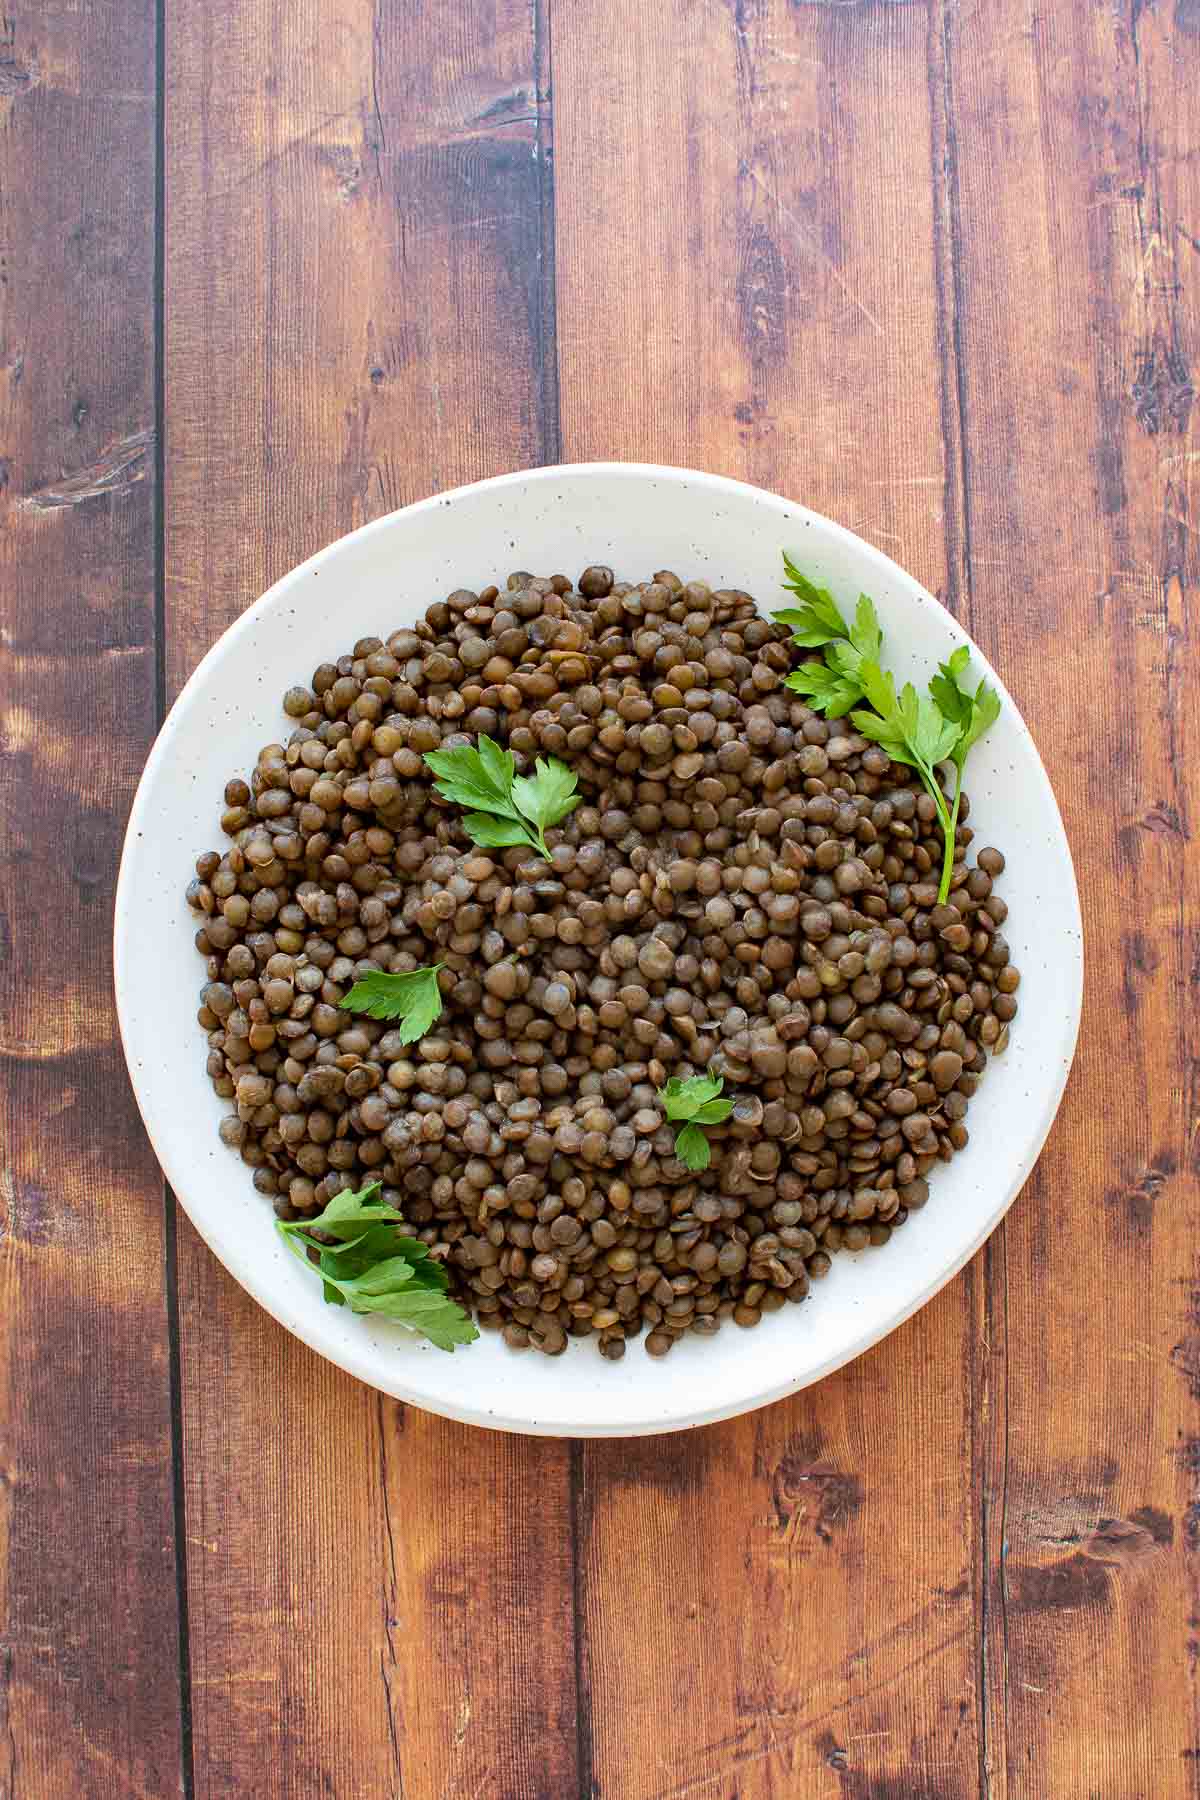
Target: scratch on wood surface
(1143, 1353)
(301, 138)
(865, 525)
(891, 481)
(461, 1726)
(225, 1678)
(115, 471)
(699, 1783)
(39, 664)
(806, 236)
(780, 1741)
(1142, 577)
(119, 1772)
(1128, 197)
(794, 56)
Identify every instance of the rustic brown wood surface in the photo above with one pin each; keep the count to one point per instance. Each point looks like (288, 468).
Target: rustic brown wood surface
(89, 1638)
(269, 268)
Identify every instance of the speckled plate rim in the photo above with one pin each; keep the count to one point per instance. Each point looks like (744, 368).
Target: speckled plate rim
(674, 1392)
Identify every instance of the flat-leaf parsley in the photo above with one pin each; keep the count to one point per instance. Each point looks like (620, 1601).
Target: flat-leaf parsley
(694, 1103)
(832, 682)
(412, 996)
(504, 808)
(917, 729)
(367, 1263)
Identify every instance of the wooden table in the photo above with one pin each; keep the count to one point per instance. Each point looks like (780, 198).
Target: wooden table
(270, 268)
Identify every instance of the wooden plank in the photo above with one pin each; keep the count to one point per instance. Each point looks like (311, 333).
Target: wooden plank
(380, 1601)
(89, 1654)
(783, 312)
(1079, 164)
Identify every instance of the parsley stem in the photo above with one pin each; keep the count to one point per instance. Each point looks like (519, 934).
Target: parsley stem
(947, 819)
(950, 830)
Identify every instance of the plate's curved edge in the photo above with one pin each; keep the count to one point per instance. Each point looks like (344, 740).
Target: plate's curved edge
(309, 1329)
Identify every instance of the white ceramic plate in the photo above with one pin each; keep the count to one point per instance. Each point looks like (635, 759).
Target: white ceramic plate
(637, 518)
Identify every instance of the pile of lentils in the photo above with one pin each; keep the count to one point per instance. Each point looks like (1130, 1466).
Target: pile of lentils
(745, 887)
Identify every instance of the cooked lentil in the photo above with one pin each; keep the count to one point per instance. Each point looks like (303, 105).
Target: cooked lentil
(745, 886)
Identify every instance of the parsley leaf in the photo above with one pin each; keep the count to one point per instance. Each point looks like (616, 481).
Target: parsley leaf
(832, 682)
(692, 1148)
(412, 996)
(481, 779)
(828, 690)
(439, 1319)
(972, 712)
(495, 833)
(549, 796)
(504, 808)
(499, 764)
(713, 1112)
(695, 1103)
(953, 701)
(684, 1099)
(373, 1268)
(818, 620)
(866, 634)
(348, 1214)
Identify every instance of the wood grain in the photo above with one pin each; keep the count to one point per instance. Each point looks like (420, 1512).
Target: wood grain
(803, 1587)
(1080, 147)
(380, 1601)
(89, 1650)
(932, 267)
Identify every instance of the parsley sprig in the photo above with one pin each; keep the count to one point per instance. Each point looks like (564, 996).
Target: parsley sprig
(505, 808)
(924, 732)
(972, 712)
(412, 996)
(834, 682)
(371, 1267)
(919, 730)
(695, 1103)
